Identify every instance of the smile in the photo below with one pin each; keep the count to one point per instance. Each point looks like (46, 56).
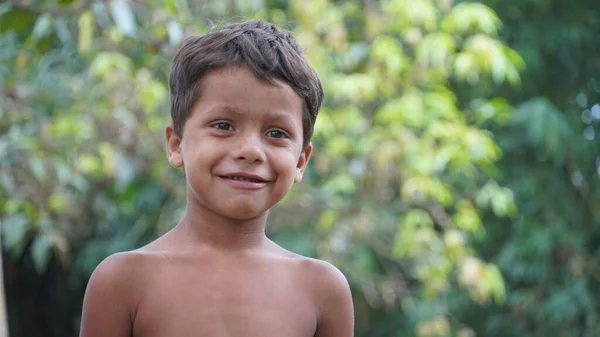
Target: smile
(245, 181)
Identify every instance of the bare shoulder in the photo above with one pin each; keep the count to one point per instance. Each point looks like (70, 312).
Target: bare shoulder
(120, 276)
(112, 295)
(323, 275)
(119, 269)
(326, 278)
(332, 293)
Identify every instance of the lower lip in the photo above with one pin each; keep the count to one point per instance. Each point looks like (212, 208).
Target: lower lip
(245, 185)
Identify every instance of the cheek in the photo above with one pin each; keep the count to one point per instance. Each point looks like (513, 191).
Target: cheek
(197, 160)
(197, 149)
(285, 162)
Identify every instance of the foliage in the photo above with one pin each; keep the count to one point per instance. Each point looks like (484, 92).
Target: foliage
(548, 255)
(403, 170)
(407, 190)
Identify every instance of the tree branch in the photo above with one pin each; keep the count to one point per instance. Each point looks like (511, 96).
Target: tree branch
(438, 214)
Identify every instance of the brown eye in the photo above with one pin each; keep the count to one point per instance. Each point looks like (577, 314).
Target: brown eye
(277, 134)
(223, 126)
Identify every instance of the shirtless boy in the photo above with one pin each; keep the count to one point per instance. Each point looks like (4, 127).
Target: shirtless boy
(244, 102)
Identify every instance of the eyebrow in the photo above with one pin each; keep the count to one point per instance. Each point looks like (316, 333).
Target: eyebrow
(280, 117)
(224, 109)
(277, 116)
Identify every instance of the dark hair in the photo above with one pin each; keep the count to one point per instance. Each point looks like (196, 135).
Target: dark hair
(268, 51)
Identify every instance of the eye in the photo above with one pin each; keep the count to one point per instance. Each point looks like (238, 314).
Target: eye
(223, 126)
(277, 134)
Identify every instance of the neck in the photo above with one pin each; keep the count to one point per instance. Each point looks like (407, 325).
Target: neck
(204, 227)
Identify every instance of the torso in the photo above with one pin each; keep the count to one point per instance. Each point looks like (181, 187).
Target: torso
(266, 293)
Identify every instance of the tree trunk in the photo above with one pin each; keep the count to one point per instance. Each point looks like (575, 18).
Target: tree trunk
(3, 314)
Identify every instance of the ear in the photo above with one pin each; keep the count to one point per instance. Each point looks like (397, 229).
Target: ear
(302, 162)
(173, 147)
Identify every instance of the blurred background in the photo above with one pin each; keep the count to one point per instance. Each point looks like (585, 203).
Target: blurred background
(456, 179)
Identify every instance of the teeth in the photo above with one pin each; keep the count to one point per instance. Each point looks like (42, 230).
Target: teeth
(246, 179)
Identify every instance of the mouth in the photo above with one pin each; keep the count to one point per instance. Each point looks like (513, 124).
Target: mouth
(240, 178)
(244, 177)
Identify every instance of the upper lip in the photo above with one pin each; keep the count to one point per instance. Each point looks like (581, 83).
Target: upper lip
(244, 175)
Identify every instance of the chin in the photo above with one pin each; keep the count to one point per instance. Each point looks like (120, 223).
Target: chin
(244, 212)
(244, 216)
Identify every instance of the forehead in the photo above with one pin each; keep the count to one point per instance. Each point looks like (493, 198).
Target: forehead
(238, 88)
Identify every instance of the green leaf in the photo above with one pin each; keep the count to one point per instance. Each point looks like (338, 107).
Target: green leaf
(422, 13)
(497, 109)
(341, 183)
(62, 30)
(465, 67)
(5, 8)
(408, 110)
(38, 168)
(422, 188)
(106, 63)
(89, 164)
(355, 87)
(454, 244)
(41, 251)
(327, 219)
(363, 260)
(7, 181)
(175, 32)
(415, 234)
(545, 126)
(58, 202)
(495, 283)
(438, 326)
(150, 92)
(14, 229)
(387, 50)
(501, 199)
(442, 104)
(435, 49)
(42, 26)
(86, 31)
(466, 217)
(17, 20)
(469, 17)
(123, 16)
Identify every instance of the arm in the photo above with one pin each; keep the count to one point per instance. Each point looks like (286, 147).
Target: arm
(336, 311)
(109, 300)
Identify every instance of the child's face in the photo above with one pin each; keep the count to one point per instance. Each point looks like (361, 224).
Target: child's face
(242, 144)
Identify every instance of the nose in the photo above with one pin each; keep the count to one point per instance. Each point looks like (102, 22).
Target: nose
(250, 149)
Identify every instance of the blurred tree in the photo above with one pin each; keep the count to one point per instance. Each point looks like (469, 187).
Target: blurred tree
(405, 163)
(549, 255)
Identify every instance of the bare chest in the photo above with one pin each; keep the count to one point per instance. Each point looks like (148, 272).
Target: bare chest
(226, 301)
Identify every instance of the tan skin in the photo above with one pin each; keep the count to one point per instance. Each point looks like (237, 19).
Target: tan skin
(216, 274)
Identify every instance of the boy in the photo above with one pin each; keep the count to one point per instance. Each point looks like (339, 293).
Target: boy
(244, 102)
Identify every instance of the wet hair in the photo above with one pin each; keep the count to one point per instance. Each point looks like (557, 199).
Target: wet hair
(270, 52)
